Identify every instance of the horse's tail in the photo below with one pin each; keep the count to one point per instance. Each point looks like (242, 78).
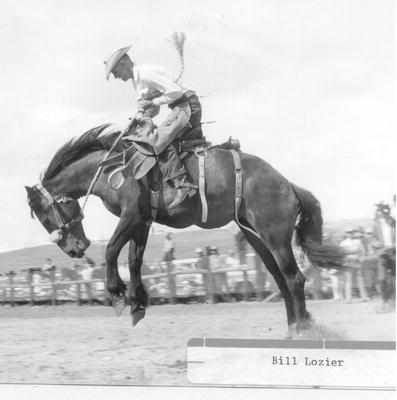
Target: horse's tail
(309, 232)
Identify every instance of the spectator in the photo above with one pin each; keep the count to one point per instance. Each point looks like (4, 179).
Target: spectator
(335, 277)
(87, 269)
(169, 248)
(241, 247)
(146, 269)
(370, 261)
(354, 254)
(200, 255)
(220, 278)
(124, 270)
(385, 233)
(214, 258)
(37, 280)
(48, 265)
(155, 267)
(231, 260)
(86, 272)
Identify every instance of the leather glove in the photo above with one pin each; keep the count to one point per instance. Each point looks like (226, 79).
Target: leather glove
(144, 105)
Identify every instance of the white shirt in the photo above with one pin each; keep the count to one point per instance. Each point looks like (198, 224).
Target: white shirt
(353, 246)
(168, 244)
(86, 274)
(148, 78)
(354, 251)
(387, 233)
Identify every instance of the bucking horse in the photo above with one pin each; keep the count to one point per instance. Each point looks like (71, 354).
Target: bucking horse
(270, 209)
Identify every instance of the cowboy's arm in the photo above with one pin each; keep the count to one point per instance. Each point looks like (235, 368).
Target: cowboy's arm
(157, 79)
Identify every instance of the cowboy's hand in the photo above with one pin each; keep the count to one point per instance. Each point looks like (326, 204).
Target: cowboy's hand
(139, 116)
(144, 105)
(130, 124)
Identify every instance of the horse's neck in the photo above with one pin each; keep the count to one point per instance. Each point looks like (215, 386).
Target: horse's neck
(75, 179)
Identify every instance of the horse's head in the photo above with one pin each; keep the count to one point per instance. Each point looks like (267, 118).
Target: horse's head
(61, 216)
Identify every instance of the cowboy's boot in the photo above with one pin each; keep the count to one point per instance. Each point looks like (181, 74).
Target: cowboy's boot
(174, 171)
(183, 189)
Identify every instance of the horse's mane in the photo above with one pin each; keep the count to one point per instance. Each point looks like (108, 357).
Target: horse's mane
(98, 138)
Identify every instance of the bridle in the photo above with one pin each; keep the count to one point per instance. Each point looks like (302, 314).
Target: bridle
(60, 217)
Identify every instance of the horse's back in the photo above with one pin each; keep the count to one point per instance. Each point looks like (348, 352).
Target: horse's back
(263, 186)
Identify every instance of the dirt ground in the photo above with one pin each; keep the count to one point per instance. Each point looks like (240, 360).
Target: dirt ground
(90, 345)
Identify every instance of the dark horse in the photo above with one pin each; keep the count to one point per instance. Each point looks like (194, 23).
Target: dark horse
(272, 207)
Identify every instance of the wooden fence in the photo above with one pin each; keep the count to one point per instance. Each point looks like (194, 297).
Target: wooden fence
(211, 285)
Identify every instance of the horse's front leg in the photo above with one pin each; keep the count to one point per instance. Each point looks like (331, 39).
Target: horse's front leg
(115, 285)
(138, 294)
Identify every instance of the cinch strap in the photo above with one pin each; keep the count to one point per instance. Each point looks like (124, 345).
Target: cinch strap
(201, 153)
(239, 181)
(238, 196)
(154, 194)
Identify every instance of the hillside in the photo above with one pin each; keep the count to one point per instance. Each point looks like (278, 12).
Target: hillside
(185, 242)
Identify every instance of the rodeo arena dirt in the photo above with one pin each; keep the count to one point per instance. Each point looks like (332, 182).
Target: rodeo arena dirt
(211, 294)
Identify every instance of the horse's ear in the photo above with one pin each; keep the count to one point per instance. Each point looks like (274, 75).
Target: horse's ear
(29, 190)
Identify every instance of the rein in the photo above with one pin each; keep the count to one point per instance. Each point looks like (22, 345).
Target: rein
(99, 170)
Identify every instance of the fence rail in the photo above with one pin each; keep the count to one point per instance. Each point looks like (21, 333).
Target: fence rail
(170, 285)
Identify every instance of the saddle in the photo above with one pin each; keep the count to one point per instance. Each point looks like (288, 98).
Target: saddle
(132, 161)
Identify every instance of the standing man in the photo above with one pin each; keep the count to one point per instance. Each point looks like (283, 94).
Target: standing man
(169, 248)
(354, 254)
(370, 260)
(156, 87)
(385, 233)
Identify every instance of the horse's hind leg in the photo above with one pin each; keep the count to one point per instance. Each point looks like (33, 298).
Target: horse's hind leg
(271, 264)
(271, 207)
(295, 282)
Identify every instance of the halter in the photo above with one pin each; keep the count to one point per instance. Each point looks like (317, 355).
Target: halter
(59, 215)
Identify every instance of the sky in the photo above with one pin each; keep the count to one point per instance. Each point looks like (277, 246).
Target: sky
(307, 85)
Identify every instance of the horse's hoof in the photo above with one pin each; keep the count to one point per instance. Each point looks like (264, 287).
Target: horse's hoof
(304, 325)
(137, 315)
(291, 331)
(119, 304)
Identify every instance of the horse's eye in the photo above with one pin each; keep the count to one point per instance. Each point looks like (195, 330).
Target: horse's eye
(47, 224)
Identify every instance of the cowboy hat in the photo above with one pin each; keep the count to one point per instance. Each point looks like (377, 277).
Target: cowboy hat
(113, 59)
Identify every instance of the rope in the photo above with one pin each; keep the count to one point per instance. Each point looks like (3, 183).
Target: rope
(99, 170)
(178, 40)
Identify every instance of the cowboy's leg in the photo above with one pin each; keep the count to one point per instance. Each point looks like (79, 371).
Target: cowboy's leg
(174, 171)
(172, 127)
(195, 107)
(170, 165)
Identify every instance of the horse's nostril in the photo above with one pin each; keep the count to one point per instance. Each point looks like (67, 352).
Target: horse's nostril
(72, 253)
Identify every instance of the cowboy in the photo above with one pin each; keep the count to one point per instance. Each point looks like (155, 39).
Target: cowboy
(156, 87)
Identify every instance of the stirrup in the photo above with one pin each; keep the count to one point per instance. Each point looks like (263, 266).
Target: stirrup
(116, 178)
